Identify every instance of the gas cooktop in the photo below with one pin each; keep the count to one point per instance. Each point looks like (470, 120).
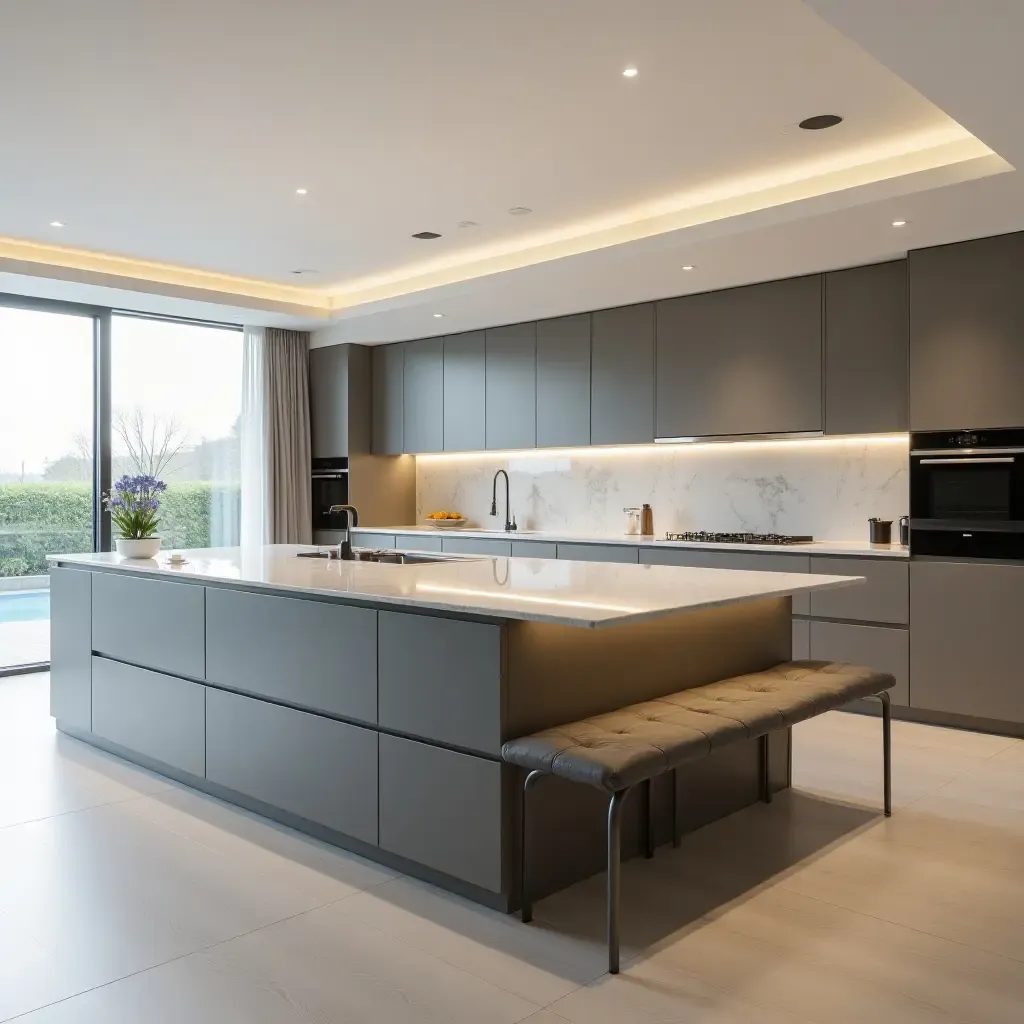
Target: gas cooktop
(777, 539)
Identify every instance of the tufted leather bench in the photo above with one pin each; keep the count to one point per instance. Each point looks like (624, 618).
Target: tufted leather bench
(619, 750)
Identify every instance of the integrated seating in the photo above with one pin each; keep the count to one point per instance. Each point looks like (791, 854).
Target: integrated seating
(618, 751)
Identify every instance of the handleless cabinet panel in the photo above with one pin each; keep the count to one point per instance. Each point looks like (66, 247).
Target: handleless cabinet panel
(374, 540)
(314, 654)
(741, 361)
(965, 622)
(419, 542)
(319, 769)
(801, 639)
(622, 375)
(883, 597)
(441, 679)
(151, 623)
(155, 715)
(512, 387)
(71, 647)
(497, 547)
(598, 553)
(563, 382)
(877, 647)
(534, 549)
(388, 376)
(328, 401)
(442, 809)
(867, 331)
(464, 392)
(423, 392)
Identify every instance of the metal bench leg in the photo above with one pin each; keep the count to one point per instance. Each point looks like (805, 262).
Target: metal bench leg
(765, 771)
(648, 822)
(675, 808)
(524, 893)
(887, 750)
(615, 805)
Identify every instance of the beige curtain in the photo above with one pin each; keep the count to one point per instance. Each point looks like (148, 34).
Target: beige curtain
(289, 514)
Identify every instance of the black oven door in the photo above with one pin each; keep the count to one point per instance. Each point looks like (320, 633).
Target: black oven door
(329, 489)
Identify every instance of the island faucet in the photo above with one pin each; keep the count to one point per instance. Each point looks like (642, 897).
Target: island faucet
(510, 523)
(345, 547)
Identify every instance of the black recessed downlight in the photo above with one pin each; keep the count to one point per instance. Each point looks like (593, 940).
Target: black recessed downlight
(426, 234)
(819, 121)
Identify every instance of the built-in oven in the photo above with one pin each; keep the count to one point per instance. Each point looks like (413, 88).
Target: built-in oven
(330, 487)
(967, 493)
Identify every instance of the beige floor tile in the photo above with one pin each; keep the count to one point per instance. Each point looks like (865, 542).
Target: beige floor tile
(995, 784)
(1012, 755)
(545, 1017)
(322, 967)
(535, 961)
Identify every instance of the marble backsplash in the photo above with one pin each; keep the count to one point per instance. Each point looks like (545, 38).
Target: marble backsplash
(827, 488)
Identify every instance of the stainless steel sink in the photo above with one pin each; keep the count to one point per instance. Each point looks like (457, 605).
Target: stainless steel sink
(385, 557)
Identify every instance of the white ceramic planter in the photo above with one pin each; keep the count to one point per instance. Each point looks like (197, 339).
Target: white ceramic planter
(145, 548)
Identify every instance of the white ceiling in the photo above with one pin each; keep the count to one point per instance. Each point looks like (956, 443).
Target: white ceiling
(170, 139)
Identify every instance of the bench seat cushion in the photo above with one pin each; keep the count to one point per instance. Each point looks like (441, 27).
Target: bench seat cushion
(619, 749)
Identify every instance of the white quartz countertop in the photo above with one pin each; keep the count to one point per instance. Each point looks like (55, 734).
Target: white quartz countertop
(860, 548)
(587, 594)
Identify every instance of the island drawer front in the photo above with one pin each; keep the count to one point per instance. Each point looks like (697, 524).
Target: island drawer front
(152, 623)
(71, 647)
(419, 542)
(374, 540)
(319, 769)
(883, 597)
(534, 549)
(877, 647)
(599, 553)
(801, 639)
(752, 561)
(155, 715)
(313, 654)
(442, 809)
(477, 546)
(440, 679)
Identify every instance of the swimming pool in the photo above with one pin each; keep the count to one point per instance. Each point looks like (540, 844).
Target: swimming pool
(24, 605)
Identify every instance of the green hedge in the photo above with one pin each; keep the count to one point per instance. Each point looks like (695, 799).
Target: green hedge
(41, 519)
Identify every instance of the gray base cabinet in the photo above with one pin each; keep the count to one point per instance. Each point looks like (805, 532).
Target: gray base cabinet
(71, 648)
(319, 769)
(877, 647)
(442, 809)
(884, 596)
(534, 549)
(419, 542)
(965, 654)
(370, 540)
(598, 553)
(155, 715)
(499, 548)
(801, 639)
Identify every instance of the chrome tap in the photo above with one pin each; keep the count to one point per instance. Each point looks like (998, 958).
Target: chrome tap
(510, 523)
(345, 547)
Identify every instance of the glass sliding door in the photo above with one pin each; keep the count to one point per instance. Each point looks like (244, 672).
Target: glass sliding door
(176, 401)
(46, 466)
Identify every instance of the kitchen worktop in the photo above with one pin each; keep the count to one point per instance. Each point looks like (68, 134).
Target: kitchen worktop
(586, 594)
(859, 548)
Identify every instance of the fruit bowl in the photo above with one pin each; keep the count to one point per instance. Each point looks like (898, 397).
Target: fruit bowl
(447, 523)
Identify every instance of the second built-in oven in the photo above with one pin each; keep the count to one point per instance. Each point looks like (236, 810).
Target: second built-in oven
(967, 493)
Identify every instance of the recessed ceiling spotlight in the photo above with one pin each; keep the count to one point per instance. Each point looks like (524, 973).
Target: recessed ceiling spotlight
(819, 121)
(302, 191)
(426, 234)
(56, 223)
(519, 211)
(688, 266)
(468, 224)
(899, 223)
(630, 73)
(438, 315)
(304, 270)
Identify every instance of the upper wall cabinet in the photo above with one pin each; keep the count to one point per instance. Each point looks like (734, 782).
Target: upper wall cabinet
(622, 375)
(866, 335)
(424, 395)
(511, 379)
(464, 392)
(741, 361)
(563, 382)
(967, 334)
(388, 399)
(328, 401)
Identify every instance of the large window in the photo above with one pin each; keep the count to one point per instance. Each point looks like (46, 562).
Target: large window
(176, 399)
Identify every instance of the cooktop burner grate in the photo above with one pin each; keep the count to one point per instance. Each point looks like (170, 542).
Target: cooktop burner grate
(702, 537)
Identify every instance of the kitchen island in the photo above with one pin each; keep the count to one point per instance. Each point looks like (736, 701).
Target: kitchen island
(366, 703)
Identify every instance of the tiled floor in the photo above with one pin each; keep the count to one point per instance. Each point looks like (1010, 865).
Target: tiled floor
(125, 899)
(24, 643)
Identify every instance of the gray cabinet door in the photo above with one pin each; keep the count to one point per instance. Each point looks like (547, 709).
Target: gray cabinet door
(319, 769)
(464, 392)
(883, 597)
(534, 549)
(498, 547)
(877, 647)
(512, 387)
(155, 715)
(151, 623)
(801, 639)
(440, 679)
(867, 331)
(741, 361)
(71, 647)
(563, 382)
(373, 540)
(622, 375)
(419, 542)
(424, 395)
(442, 809)
(599, 553)
(388, 376)
(965, 622)
(328, 401)
(309, 653)
(967, 334)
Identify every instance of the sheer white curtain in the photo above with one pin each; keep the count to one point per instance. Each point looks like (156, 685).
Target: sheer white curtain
(255, 524)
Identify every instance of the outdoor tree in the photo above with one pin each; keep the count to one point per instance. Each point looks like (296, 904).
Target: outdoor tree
(150, 441)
